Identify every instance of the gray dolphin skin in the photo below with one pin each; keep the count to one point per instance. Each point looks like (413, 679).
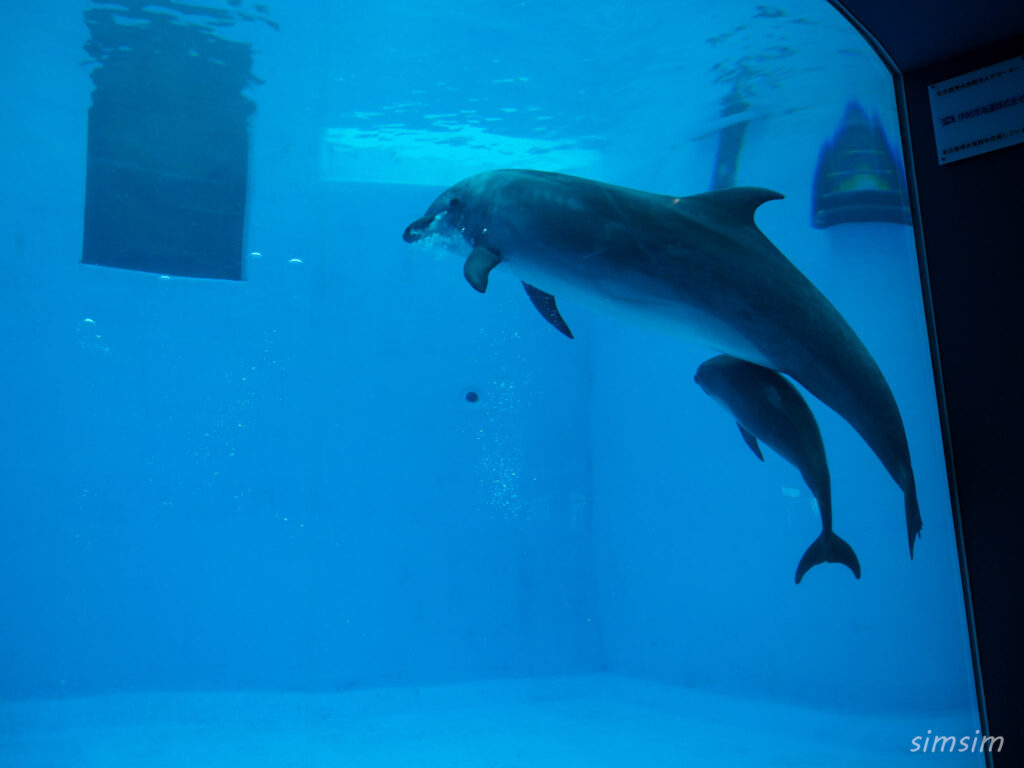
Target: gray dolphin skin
(768, 408)
(696, 265)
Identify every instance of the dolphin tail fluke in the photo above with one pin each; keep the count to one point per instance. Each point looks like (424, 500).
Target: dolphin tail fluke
(913, 516)
(828, 548)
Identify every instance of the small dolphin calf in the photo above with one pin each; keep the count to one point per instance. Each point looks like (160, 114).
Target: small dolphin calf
(766, 406)
(697, 265)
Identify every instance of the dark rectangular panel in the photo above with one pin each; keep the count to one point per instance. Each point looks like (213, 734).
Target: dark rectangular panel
(168, 145)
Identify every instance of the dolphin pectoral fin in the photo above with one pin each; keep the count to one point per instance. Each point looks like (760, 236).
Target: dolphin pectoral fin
(749, 439)
(913, 514)
(828, 548)
(545, 304)
(478, 266)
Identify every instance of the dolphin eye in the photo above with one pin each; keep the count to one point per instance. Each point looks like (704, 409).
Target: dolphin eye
(454, 204)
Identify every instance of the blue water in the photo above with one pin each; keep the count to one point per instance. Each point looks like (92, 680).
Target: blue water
(274, 490)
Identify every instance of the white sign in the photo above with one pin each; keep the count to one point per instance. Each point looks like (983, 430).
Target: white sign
(980, 111)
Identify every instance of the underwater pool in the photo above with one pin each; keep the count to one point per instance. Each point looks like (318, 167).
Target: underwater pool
(296, 473)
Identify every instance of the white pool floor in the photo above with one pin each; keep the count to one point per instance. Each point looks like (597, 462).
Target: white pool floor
(593, 721)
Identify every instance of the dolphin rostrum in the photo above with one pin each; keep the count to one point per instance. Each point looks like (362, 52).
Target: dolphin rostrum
(766, 406)
(697, 264)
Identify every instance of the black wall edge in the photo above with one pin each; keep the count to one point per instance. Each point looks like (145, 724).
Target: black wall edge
(969, 213)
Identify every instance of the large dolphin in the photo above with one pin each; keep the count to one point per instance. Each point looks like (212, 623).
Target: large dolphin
(697, 264)
(767, 407)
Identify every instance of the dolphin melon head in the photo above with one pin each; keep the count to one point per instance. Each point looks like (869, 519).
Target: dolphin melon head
(445, 217)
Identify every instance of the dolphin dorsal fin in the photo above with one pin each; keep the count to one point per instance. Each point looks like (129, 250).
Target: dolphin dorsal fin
(736, 205)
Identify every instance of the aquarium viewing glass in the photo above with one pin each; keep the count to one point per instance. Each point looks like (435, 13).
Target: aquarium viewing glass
(287, 480)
